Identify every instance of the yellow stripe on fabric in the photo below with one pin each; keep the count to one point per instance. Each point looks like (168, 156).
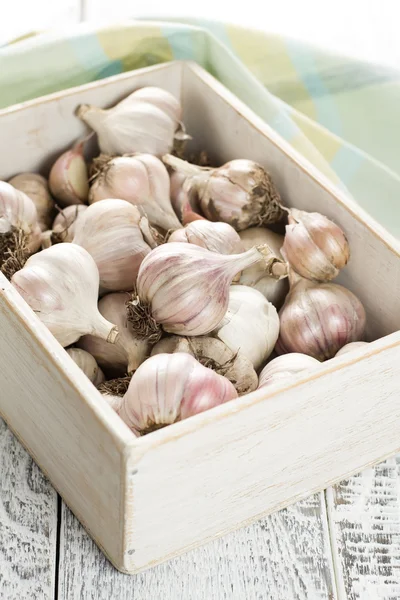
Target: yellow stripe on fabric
(135, 46)
(267, 57)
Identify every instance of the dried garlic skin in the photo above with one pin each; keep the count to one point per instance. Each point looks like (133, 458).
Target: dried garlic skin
(214, 236)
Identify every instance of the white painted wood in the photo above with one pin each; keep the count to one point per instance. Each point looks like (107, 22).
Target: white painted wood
(283, 557)
(364, 514)
(203, 477)
(28, 525)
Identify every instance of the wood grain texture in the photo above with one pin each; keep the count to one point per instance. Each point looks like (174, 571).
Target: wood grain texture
(28, 525)
(283, 557)
(364, 515)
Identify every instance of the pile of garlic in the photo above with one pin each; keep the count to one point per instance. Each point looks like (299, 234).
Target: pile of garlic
(162, 279)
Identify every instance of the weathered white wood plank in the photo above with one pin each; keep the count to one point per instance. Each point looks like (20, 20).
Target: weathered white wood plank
(28, 525)
(283, 557)
(364, 515)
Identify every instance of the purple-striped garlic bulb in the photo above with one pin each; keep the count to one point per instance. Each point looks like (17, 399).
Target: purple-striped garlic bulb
(240, 192)
(171, 387)
(61, 285)
(128, 352)
(110, 231)
(214, 236)
(319, 318)
(283, 367)
(20, 233)
(314, 246)
(185, 289)
(141, 180)
(215, 355)
(68, 179)
(36, 187)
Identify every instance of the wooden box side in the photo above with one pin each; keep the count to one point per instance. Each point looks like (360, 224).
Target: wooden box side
(62, 420)
(216, 472)
(203, 477)
(53, 409)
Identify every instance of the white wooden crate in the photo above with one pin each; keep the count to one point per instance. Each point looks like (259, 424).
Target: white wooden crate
(145, 500)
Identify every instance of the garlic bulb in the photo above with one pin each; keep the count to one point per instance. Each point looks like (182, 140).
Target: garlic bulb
(112, 400)
(350, 347)
(64, 225)
(185, 288)
(314, 246)
(250, 325)
(145, 121)
(61, 285)
(68, 177)
(319, 319)
(87, 364)
(141, 180)
(128, 352)
(20, 233)
(215, 355)
(216, 237)
(274, 290)
(110, 231)
(171, 387)
(240, 192)
(36, 187)
(283, 367)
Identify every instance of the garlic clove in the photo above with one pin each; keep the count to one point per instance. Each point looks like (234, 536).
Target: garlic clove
(240, 192)
(171, 387)
(319, 318)
(185, 288)
(184, 198)
(36, 187)
(250, 325)
(128, 352)
(68, 179)
(350, 347)
(110, 231)
(274, 290)
(215, 355)
(314, 246)
(145, 121)
(141, 180)
(216, 237)
(61, 285)
(284, 367)
(20, 234)
(87, 363)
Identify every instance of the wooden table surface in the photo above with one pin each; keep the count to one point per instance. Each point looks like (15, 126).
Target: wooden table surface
(340, 544)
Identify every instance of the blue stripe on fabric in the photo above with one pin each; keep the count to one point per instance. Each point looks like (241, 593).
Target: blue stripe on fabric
(303, 61)
(346, 163)
(91, 55)
(180, 41)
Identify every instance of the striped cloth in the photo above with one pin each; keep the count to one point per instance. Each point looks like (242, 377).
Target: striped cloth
(339, 113)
